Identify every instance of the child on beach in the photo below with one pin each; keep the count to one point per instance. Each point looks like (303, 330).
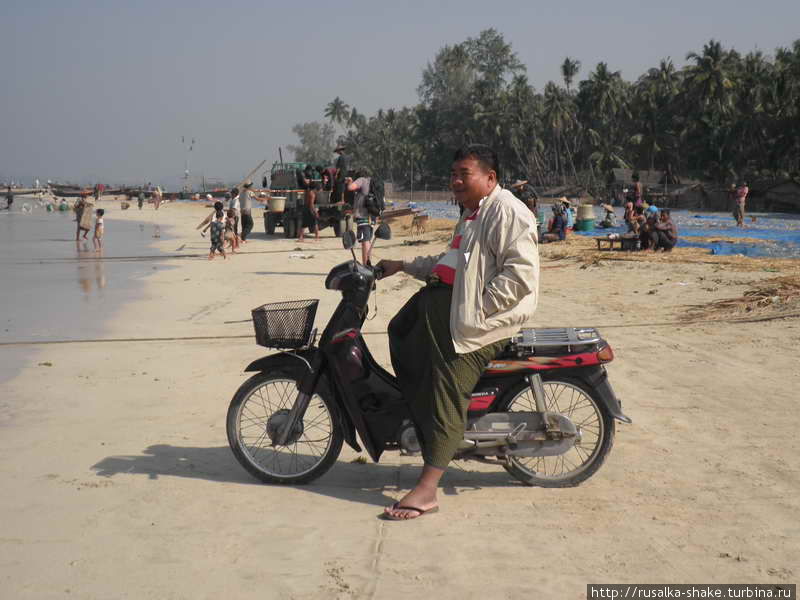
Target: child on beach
(230, 230)
(99, 228)
(217, 225)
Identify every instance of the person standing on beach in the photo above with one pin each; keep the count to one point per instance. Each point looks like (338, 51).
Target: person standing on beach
(246, 209)
(9, 198)
(342, 168)
(235, 205)
(217, 226)
(361, 215)
(99, 230)
(83, 216)
(157, 197)
(638, 196)
(230, 236)
(310, 211)
(741, 198)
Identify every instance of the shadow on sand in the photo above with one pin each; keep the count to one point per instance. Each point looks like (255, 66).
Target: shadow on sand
(367, 483)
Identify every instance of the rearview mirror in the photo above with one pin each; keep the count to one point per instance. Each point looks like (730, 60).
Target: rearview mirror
(348, 239)
(383, 232)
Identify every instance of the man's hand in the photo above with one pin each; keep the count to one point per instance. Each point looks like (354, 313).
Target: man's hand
(390, 267)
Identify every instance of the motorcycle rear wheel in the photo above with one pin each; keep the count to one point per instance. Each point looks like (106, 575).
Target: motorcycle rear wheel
(582, 405)
(256, 412)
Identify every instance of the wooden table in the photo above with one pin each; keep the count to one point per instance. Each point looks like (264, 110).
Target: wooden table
(625, 243)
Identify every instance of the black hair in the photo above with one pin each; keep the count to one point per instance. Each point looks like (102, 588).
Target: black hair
(665, 211)
(219, 214)
(234, 191)
(228, 195)
(100, 212)
(217, 205)
(482, 153)
(639, 210)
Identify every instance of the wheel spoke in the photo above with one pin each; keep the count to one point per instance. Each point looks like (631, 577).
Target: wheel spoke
(575, 404)
(266, 409)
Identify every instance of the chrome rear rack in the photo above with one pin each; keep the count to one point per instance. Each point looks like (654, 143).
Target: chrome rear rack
(557, 336)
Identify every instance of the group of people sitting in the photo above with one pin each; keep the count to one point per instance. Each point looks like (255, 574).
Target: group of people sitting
(655, 229)
(562, 221)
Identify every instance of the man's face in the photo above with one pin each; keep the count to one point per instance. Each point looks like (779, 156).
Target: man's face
(470, 182)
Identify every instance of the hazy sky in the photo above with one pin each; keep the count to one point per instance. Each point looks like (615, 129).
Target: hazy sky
(104, 90)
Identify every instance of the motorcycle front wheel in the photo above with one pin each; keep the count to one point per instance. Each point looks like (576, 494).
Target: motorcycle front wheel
(257, 412)
(576, 401)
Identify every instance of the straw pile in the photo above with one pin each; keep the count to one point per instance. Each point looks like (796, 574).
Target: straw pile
(775, 297)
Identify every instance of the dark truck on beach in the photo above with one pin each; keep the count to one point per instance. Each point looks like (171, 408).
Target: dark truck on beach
(285, 205)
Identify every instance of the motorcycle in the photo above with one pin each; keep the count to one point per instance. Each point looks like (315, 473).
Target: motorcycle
(543, 409)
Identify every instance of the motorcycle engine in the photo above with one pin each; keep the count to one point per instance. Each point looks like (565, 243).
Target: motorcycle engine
(407, 437)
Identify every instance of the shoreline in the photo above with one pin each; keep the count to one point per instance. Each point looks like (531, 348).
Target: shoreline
(52, 290)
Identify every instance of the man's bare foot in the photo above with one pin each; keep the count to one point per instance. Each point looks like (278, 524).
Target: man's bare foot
(417, 503)
(210, 257)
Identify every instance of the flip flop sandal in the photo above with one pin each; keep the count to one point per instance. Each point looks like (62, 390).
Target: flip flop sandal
(398, 506)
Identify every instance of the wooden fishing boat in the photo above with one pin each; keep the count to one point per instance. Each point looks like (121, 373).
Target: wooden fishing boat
(72, 193)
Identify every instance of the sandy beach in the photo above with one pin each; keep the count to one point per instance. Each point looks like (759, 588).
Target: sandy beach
(119, 482)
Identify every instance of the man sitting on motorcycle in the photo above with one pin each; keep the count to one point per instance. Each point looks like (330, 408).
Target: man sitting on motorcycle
(478, 294)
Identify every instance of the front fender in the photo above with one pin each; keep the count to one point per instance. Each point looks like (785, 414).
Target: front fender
(279, 359)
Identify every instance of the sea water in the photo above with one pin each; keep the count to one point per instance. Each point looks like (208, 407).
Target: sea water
(55, 289)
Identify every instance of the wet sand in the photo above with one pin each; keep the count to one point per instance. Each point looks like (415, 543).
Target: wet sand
(122, 482)
(57, 289)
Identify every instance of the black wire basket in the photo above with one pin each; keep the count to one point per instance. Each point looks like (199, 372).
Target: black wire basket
(285, 324)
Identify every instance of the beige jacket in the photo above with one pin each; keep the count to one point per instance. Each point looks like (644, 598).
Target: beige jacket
(496, 288)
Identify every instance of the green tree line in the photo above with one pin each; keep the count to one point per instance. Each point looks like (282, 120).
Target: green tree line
(723, 116)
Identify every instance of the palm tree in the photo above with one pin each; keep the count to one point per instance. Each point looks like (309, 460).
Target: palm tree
(605, 90)
(603, 109)
(559, 116)
(569, 69)
(655, 93)
(337, 111)
(708, 81)
(708, 96)
(356, 119)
